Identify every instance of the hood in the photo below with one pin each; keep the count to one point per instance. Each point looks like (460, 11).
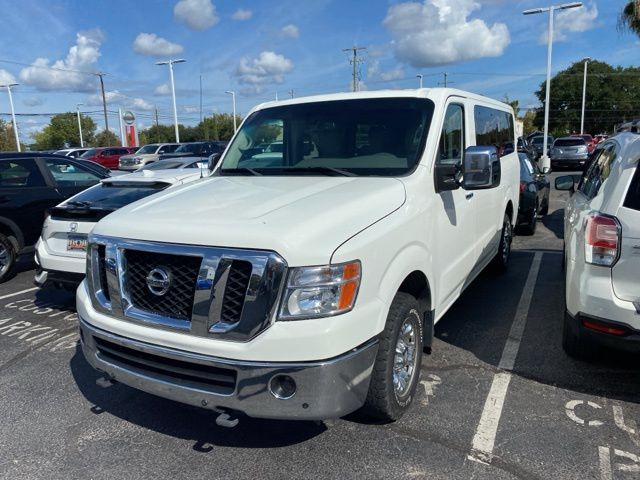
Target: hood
(304, 219)
(167, 176)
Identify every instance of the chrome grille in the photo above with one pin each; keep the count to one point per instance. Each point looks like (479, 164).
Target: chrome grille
(178, 301)
(225, 293)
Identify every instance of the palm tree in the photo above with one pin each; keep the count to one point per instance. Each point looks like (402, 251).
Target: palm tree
(629, 18)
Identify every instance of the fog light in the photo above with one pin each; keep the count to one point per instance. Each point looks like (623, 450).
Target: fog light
(282, 386)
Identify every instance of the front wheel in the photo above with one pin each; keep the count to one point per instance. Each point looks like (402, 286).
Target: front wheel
(501, 260)
(8, 257)
(397, 366)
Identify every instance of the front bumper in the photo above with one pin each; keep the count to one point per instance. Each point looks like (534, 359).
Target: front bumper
(66, 280)
(324, 389)
(130, 168)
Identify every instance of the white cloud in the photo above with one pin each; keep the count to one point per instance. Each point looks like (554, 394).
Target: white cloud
(139, 104)
(269, 67)
(242, 14)
(6, 78)
(82, 57)
(191, 109)
(113, 96)
(439, 32)
(390, 75)
(33, 101)
(571, 20)
(196, 14)
(162, 90)
(153, 45)
(290, 31)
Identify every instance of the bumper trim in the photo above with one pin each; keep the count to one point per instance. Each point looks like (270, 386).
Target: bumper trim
(629, 341)
(326, 389)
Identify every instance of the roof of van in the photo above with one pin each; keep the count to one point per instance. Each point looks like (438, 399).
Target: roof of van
(438, 95)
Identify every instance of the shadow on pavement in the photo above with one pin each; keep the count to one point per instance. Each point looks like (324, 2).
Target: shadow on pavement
(555, 222)
(184, 421)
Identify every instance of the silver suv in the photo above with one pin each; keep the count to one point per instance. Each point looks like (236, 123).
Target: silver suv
(145, 155)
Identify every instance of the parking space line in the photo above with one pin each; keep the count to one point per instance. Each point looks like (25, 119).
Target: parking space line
(485, 436)
(18, 293)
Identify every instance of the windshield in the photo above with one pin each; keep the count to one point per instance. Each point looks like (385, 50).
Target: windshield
(89, 153)
(383, 136)
(189, 148)
(162, 165)
(540, 140)
(112, 196)
(148, 149)
(568, 142)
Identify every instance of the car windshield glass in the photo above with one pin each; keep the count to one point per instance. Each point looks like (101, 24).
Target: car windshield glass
(148, 149)
(162, 165)
(378, 136)
(568, 142)
(587, 138)
(540, 140)
(89, 153)
(115, 195)
(189, 148)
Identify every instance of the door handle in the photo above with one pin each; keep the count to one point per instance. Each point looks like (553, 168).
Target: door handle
(469, 196)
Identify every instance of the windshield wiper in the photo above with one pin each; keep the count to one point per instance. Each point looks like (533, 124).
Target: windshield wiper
(240, 170)
(321, 169)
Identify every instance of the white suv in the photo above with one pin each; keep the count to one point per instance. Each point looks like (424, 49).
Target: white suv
(145, 155)
(305, 285)
(602, 250)
(61, 249)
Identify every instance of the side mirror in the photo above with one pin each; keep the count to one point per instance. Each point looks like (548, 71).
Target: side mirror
(480, 168)
(566, 183)
(213, 161)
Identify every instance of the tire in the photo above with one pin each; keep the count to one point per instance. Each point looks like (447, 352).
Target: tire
(8, 257)
(389, 396)
(501, 261)
(575, 345)
(530, 228)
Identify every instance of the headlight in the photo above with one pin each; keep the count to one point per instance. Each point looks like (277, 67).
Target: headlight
(137, 159)
(323, 291)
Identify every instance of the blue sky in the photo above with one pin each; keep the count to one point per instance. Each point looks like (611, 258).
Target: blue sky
(262, 47)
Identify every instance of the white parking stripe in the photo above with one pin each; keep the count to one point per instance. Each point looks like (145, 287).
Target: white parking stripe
(18, 293)
(485, 436)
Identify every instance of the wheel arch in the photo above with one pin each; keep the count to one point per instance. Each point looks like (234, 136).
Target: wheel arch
(10, 229)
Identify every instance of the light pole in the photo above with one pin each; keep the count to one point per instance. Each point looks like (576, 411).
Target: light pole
(233, 98)
(546, 164)
(420, 77)
(584, 93)
(79, 124)
(13, 113)
(173, 93)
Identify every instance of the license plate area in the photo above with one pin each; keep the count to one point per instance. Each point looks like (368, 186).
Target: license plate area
(76, 242)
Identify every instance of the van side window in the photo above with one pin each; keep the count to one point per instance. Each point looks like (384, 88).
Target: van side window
(633, 195)
(494, 127)
(452, 143)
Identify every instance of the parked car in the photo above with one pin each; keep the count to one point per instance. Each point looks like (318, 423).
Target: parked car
(107, 156)
(306, 286)
(600, 138)
(534, 194)
(569, 153)
(588, 140)
(179, 162)
(523, 146)
(197, 149)
(71, 152)
(31, 183)
(146, 155)
(538, 143)
(61, 249)
(602, 244)
(91, 165)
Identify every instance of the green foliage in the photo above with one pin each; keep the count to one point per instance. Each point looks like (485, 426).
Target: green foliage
(62, 132)
(7, 137)
(629, 18)
(613, 96)
(528, 122)
(105, 139)
(217, 127)
(515, 104)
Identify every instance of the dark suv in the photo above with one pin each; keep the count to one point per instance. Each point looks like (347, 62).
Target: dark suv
(197, 149)
(30, 184)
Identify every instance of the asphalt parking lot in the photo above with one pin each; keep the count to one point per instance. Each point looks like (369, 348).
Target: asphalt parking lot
(498, 399)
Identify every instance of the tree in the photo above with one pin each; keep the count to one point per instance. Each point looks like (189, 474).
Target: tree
(62, 132)
(629, 18)
(105, 138)
(7, 137)
(528, 125)
(515, 104)
(613, 96)
(217, 127)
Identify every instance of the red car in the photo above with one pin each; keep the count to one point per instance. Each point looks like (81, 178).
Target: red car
(588, 139)
(107, 156)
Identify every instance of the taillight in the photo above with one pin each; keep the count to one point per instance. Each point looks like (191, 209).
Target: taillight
(523, 186)
(602, 240)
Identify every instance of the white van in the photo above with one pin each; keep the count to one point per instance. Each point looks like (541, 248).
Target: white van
(305, 285)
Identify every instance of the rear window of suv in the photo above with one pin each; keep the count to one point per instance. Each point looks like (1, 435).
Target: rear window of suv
(633, 195)
(569, 142)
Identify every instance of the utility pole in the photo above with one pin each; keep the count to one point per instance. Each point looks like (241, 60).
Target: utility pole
(157, 126)
(79, 124)
(123, 141)
(420, 76)
(235, 120)
(584, 93)
(13, 113)
(200, 98)
(354, 62)
(291, 92)
(104, 105)
(173, 93)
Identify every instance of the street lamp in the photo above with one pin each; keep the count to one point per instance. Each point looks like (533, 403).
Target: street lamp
(79, 124)
(13, 113)
(420, 77)
(584, 93)
(233, 97)
(546, 164)
(173, 93)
